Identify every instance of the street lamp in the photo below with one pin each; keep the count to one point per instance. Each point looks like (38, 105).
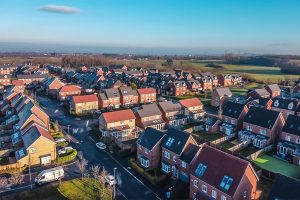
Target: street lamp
(115, 182)
(29, 168)
(69, 133)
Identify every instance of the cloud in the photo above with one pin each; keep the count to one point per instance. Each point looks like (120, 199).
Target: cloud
(59, 9)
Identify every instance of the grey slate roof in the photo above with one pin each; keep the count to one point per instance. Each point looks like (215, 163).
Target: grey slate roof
(149, 110)
(292, 125)
(169, 106)
(233, 109)
(261, 117)
(150, 137)
(180, 139)
(284, 103)
(189, 153)
(222, 91)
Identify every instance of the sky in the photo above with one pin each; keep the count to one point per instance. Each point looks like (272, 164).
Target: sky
(191, 26)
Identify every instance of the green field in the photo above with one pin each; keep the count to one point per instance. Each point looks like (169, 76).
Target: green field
(277, 166)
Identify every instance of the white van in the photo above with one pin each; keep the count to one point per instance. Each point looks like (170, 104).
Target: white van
(49, 175)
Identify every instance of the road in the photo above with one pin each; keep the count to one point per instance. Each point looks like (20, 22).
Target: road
(129, 186)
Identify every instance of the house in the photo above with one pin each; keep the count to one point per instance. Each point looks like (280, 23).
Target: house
(173, 113)
(236, 79)
(84, 104)
(110, 99)
(173, 146)
(274, 90)
(233, 114)
(259, 93)
(176, 88)
(7, 69)
(212, 124)
(219, 175)
(286, 106)
(149, 115)
(119, 126)
(67, 91)
(129, 97)
(289, 145)
(5, 80)
(220, 96)
(214, 78)
(194, 86)
(225, 80)
(193, 108)
(261, 127)
(149, 148)
(18, 84)
(206, 83)
(52, 85)
(186, 161)
(147, 95)
(30, 78)
(39, 147)
(284, 187)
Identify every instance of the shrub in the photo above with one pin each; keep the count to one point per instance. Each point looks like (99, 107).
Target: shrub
(69, 156)
(62, 144)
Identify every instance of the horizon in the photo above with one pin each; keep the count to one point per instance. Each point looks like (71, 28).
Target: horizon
(151, 27)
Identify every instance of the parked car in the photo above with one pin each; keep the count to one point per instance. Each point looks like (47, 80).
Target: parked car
(49, 175)
(98, 112)
(110, 180)
(64, 150)
(59, 140)
(100, 145)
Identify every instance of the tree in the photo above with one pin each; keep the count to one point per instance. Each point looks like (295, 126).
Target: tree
(102, 176)
(95, 171)
(56, 126)
(82, 164)
(3, 182)
(16, 178)
(133, 86)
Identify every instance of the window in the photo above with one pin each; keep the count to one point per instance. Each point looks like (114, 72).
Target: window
(196, 183)
(249, 127)
(140, 147)
(226, 183)
(200, 169)
(169, 142)
(174, 158)
(166, 168)
(298, 140)
(287, 138)
(32, 150)
(214, 194)
(262, 131)
(204, 188)
(167, 155)
(223, 197)
(144, 162)
(183, 164)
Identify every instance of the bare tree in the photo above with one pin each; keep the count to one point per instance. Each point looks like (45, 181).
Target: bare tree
(16, 178)
(3, 182)
(95, 171)
(82, 164)
(101, 179)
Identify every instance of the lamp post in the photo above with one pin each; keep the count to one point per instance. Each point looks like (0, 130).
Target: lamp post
(29, 168)
(115, 183)
(69, 133)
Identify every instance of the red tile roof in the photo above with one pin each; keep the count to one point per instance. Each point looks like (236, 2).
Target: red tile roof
(146, 90)
(190, 102)
(117, 116)
(70, 88)
(85, 98)
(220, 164)
(17, 82)
(45, 133)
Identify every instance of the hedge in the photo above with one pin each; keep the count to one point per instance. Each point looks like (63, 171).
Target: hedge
(69, 156)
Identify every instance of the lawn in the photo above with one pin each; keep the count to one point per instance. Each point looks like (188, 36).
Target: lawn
(258, 73)
(226, 145)
(248, 151)
(238, 90)
(73, 189)
(208, 136)
(277, 166)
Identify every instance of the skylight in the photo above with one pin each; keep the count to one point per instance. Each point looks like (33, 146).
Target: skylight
(200, 169)
(226, 183)
(170, 142)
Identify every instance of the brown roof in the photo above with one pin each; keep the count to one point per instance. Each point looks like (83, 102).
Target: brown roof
(149, 110)
(222, 91)
(120, 115)
(220, 164)
(17, 82)
(85, 98)
(70, 88)
(193, 102)
(146, 90)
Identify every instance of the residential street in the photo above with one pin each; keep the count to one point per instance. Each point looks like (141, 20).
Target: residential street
(129, 186)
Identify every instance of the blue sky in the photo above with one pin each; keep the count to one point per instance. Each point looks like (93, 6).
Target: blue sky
(249, 25)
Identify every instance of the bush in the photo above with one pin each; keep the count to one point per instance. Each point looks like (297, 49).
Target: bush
(62, 144)
(57, 135)
(69, 156)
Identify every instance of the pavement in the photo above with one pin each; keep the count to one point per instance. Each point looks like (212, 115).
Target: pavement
(129, 185)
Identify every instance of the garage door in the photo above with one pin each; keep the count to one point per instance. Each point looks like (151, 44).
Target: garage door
(45, 160)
